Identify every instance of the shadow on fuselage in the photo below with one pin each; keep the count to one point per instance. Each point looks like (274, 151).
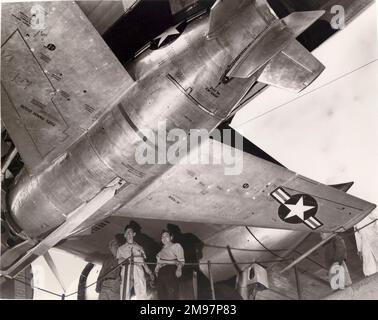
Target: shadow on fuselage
(147, 20)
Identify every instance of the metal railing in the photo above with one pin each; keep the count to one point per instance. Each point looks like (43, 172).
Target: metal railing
(209, 265)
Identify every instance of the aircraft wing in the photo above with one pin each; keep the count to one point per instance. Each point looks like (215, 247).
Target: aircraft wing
(102, 14)
(53, 86)
(252, 192)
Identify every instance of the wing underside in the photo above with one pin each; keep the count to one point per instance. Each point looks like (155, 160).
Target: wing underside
(246, 191)
(52, 89)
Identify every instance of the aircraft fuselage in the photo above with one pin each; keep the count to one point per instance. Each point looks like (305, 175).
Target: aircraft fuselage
(180, 83)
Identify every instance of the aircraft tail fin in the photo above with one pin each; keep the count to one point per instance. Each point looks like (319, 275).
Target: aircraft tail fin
(294, 68)
(277, 58)
(222, 11)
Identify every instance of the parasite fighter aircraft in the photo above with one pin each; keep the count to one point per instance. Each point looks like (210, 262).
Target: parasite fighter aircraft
(75, 103)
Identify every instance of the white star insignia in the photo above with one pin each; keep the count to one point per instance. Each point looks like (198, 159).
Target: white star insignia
(298, 209)
(170, 32)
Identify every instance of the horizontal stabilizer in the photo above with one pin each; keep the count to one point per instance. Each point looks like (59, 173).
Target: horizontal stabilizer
(278, 38)
(294, 68)
(298, 22)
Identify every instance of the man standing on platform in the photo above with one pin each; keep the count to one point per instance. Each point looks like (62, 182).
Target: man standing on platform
(133, 271)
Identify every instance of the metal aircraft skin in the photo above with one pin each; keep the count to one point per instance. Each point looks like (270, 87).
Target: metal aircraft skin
(77, 119)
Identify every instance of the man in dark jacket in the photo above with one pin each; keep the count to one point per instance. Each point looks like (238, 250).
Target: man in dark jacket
(109, 280)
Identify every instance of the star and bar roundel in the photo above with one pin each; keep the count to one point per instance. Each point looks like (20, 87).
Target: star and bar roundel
(168, 36)
(298, 208)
